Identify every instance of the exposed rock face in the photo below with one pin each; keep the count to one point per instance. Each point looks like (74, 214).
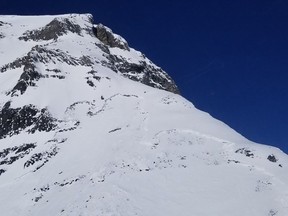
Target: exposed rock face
(2, 171)
(2, 24)
(106, 36)
(53, 30)
(272, 158)
(10, 155)
(245, 152)
(27, 78)
(143, 72)
(40, 54)
(146, 74)
(14, 120)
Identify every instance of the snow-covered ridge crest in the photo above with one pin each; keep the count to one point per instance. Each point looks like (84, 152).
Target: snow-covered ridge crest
(79, 138)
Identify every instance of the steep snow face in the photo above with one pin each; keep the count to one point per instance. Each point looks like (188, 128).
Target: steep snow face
(79, 138)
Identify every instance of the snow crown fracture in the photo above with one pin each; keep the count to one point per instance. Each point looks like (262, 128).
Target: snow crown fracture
(90, 126)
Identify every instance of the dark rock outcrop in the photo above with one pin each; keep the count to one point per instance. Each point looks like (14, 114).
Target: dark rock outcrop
(44, 55)
(42, 156)
(145, 73)
(4, 23)
(54, 29)
(272, 158)
(2, 171)
(245, 151)
(106, 36)
(27, 78)
(40, 54)
(2, 35)
(15, 153)
(14, 120)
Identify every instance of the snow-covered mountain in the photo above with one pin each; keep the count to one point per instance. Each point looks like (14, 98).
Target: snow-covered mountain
(90, 126)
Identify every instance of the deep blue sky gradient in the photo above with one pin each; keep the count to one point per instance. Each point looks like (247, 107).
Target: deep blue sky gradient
(230, 58)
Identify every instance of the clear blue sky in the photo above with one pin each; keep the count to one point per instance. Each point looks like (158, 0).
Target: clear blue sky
(230, 58)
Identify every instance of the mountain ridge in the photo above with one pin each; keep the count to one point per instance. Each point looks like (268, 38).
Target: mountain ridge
(90, 126)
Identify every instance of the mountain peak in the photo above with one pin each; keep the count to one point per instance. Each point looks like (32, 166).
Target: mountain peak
(90, 126)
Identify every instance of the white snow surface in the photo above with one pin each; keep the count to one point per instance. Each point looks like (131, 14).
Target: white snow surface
(135, 150)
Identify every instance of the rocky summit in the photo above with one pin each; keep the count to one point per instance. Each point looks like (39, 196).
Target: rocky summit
(90, 126)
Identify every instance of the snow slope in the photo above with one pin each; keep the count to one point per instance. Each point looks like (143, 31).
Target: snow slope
(78, 137)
